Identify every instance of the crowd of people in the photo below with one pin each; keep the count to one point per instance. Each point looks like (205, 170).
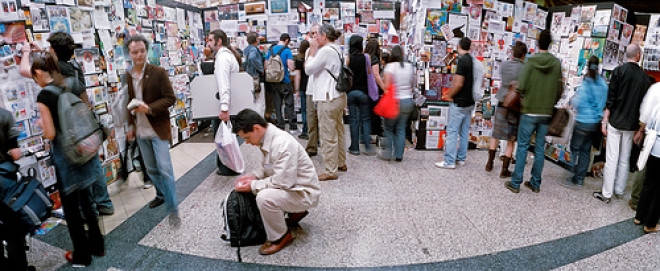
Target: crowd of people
(287, 185)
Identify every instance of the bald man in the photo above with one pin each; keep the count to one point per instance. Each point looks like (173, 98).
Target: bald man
(628, 85)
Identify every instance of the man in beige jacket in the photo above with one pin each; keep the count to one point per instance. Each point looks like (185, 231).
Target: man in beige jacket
(287, 183)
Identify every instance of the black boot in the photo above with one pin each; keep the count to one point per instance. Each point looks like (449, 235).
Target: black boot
(505, 173)
(491, 157)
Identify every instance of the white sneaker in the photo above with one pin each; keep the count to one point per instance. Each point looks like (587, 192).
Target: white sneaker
(148, 185)
(460, 163)
(444, 165)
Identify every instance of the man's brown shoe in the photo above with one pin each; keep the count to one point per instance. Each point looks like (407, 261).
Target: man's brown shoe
(294, 218)
(273, 247)
(343, 168)
(327, 177)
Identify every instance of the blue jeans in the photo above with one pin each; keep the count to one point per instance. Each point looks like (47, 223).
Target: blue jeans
(458, 132)
(359, 115)
(283, 93)
(156, 155)
(583, 134)
(99, 194)
(303, 111)
(528, 125)
(395, 130)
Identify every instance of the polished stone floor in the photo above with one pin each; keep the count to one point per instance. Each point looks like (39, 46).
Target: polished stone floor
(378, 215)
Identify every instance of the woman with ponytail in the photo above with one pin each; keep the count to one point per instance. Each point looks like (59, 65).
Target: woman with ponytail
(589, 102)
(73, 181)
(325, 58)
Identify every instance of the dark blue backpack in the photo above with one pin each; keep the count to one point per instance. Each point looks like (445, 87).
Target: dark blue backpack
(27, 201)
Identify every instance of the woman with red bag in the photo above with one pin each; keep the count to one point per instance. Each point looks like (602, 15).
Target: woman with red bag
(399, 77)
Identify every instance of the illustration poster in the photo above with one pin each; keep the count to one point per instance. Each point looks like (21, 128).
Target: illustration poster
(59, 19)
(435, 19)
(452, 5)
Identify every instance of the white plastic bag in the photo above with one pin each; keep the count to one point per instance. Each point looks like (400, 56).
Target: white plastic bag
(228, 149)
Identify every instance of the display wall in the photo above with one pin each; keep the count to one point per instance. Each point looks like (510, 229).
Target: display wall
(99, 29)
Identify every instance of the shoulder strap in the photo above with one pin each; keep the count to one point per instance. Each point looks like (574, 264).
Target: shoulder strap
(281, 49)
(341, 64)
(367, 61)
(53, 89)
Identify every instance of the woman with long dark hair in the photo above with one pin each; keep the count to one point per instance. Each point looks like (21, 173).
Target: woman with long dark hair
(400, 74)
(73, 180)
(359, 103)
(589, 103)
(301, 83)
(373, 50)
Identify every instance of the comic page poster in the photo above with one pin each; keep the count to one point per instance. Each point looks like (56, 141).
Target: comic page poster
(610, 55)
(59, 19)
(615, 29)
(435, 19)
(39, 18)
(80, 20)
(626, 34)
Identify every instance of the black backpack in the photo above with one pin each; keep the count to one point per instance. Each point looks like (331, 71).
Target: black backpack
(345, 78)
(243, 224)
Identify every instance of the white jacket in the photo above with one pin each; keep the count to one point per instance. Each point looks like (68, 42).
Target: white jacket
(323, 85)
(225, 65)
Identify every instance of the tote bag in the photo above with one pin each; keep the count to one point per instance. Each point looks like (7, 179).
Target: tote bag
(371, 81)
(388, 105)
(649, 140)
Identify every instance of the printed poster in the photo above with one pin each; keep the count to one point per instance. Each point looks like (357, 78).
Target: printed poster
(39, 18)
(59, 19)
(435, 19)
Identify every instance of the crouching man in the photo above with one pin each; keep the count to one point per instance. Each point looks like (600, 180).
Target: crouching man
(287, 183)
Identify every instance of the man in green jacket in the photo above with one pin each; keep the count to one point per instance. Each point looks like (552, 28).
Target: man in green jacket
(541, 86)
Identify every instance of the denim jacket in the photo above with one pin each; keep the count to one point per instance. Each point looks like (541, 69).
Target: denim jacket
(254, 63)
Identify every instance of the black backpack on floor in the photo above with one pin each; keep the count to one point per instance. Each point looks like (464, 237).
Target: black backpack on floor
(243, 224)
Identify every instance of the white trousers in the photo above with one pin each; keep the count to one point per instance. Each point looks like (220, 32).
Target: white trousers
(617, 161)
(273, 203)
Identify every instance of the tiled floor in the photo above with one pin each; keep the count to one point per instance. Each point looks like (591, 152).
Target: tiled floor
(405, 215)
(133, 196)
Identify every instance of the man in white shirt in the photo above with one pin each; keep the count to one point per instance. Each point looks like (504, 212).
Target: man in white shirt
(226, 63)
